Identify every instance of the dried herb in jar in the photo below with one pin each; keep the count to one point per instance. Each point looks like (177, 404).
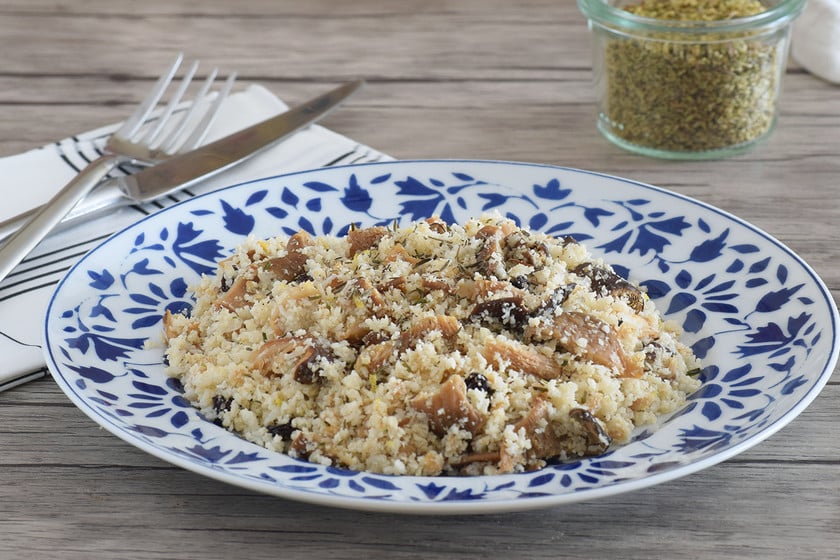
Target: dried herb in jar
(683, 92)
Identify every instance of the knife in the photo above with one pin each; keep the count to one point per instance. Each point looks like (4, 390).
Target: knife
(182, 171)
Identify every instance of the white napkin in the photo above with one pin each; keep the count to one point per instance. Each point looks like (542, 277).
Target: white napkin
(33, 177)
(815, 39)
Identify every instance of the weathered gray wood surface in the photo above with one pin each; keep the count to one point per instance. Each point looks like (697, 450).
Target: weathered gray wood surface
(471, 78)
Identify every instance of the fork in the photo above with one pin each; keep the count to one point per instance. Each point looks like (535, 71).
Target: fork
(148, 136)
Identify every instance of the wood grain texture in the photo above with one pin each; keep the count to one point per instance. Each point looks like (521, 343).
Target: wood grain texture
(461, 78)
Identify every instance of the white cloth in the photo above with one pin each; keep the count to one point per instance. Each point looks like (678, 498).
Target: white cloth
(815, 39)
(33, 177)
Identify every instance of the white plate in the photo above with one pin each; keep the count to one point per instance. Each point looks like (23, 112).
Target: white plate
(759, 317)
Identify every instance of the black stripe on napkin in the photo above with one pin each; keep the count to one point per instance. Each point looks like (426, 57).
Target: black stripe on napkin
(24, 378)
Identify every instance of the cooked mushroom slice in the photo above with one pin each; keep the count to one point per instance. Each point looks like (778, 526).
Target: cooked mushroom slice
(365, 295)
(292, 264)
(363, 239)
(597, 438)
(520, 248)
(289, 266)
(489, 258)
(399, 253)
(354, 333)
(374, 357)
(605, 281)
(436, 224)
(470, 458)
(448, 407)
(301, 446)
(481, 288)
(298, 242)
(420, 329)
(264, 357)
(520, 357)
(396, 283)
(431, 284)
(506, 312)
(305, 367)
(545, 441)
(234, 297)
(587, 337)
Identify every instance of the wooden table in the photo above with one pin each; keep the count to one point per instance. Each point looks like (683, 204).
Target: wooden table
(473, 79)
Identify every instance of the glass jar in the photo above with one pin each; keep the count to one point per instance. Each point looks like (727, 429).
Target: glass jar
(688, 89)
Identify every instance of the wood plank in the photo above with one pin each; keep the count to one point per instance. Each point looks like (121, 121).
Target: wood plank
(733, 511)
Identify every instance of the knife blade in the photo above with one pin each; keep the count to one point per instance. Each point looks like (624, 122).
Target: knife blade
(184, 170)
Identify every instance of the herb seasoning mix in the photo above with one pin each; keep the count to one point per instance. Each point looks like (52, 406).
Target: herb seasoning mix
(689, 78)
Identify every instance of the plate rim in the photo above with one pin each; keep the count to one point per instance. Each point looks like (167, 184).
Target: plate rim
(460, 506)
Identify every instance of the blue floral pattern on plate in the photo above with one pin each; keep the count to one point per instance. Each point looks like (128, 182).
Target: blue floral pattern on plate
(761, 319)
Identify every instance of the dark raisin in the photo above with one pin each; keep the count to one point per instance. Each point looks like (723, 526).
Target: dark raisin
(307, 369)
(224, 285)
(283, 430)
(555, 300)
(375, 337)
(304, 277)
(520, 282)
(221, 404)
(477, 381)
(501, 312)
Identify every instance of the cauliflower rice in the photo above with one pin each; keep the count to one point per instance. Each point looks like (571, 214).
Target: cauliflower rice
(429, 349)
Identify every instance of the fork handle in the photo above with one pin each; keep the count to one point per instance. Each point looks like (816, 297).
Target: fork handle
(27, 237)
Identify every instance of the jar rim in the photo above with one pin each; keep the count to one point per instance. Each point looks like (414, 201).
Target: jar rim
(603, 13)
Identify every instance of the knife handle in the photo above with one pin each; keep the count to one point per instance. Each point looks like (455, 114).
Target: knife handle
(20, 244)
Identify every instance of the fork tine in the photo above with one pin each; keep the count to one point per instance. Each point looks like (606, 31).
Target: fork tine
(167, 145)
(200, 131)
(136, 120)
(153, 134)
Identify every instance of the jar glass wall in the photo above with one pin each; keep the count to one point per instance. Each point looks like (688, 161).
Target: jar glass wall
(688, 89)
